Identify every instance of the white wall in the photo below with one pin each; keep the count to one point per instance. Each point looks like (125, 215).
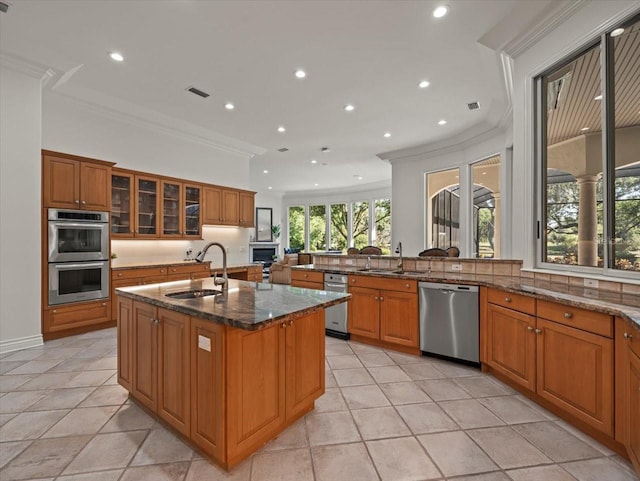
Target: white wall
(584, 26)
(75, 127)
(408, 219)
(20, 209)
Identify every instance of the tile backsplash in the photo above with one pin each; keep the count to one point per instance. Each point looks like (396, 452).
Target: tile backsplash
(495, 267)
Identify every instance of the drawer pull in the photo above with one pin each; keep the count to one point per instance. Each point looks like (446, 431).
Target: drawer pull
(55, 311)
(306, 275)
(407, 286)
(538, 331)
(291, 323)
(507, 299)
(529, 328)
(104, 304)
(119, 274)
(173, 270)
(161, 271)
(626, 335)
(568, 315)
(283, 325)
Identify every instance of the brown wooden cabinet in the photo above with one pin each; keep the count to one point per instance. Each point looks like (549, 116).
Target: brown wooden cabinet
(384, 310)
(123, 206)
(627, 382)
(511, 344)
(564, 355)
(250, 273)
(307, 279)
(228, 390)
(227, 206)
(171, 219)
(66, 317)
(161, 363)
(246, 208)
(72, 182)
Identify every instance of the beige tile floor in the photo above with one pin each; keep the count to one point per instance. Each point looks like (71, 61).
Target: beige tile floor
(385, 416)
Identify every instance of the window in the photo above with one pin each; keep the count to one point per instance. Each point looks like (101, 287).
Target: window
(360, 224)
(443, 209)
(590, 170)
(317, 228)
(486, 207)
(296, 227)
(344, 228)
(339, 227)
(381, 235)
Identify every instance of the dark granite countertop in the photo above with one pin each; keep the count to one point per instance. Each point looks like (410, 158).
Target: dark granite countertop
(247, 305)
(620, 304)
(122, 264)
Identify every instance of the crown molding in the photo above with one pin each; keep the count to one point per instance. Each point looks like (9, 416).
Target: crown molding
(549, 21)
(247, 152)
(26, 67)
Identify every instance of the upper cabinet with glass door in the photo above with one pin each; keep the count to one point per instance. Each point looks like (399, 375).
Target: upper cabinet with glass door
(147, 189)
(122, 205)
(171, 209)
(192, 219)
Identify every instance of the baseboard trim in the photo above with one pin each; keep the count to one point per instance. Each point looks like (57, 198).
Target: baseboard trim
(11, 345)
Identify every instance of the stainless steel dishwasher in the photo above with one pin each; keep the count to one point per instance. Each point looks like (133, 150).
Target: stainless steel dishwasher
(336, 316)
(449, 324)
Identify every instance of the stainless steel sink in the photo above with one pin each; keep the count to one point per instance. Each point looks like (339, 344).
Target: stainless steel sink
(376, 271)
(194, 293)
(411, 273)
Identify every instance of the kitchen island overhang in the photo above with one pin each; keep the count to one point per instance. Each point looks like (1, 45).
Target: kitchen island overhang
(229, 371)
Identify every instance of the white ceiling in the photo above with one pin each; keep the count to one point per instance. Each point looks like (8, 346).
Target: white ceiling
(371, 54)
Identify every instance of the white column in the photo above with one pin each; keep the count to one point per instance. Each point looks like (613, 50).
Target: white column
(587, 221)
(496, 225)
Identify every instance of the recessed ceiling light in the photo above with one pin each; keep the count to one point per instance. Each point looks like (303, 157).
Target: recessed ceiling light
(314, 161)
(265, 171)
(269, 187)
(584, 129)
(598, 97)
(617, 32)
(316, 185)
(387, 135)
(484, 173)
(117, 56)
(440, 11)
(300, 73)
(423, 84)
(229, 106)
(358, 177)
(281, 129)
(349, 108)
(442, 122)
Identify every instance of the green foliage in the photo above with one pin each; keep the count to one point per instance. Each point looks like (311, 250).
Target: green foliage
(296, 227)
(317, 228)
(339, 229)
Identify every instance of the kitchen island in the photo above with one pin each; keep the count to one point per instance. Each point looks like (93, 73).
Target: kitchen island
(228, 371)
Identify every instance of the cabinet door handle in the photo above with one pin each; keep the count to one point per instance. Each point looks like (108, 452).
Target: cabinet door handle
(119, 274)
(375, 298)
(283, 325)
(55, 311)
(538, 331)
(529, 328)
(84, 202)
(104, 304)
(626, 335)
(381, 298)
(568, 315)
(291, 323)
(507, 299)
(77, 201)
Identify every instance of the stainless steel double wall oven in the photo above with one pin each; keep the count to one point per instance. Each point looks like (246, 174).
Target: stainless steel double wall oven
(78, 255)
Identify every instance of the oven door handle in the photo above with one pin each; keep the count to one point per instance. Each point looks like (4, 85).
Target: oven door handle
(83, 265)
(79, 225)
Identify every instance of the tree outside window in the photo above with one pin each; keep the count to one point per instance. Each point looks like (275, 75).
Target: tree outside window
(317, 227)
(339, 227)
(360, 224)
(296, 227)
(381, 235)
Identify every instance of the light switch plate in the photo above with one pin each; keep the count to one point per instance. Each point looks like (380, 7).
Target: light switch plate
(456, 267)
(591, 283)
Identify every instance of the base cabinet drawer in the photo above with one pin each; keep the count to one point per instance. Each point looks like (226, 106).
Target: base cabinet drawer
(77, 315)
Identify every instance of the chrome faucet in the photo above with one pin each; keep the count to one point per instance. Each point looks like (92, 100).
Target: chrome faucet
(368, 264)
(399, 251)
(224, 282)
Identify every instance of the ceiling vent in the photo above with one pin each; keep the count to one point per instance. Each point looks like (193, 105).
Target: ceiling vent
(199, 92)
(283, 149)
(4, 7)
(473, 105)
(325, 149)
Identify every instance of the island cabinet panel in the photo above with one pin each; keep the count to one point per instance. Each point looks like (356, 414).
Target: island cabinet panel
(627, 384)
(305, 362)
(124, 310)
(145, 354)
(364, 312)
(174, 376)
(255, 387)
(575, 372)
(511, 344)
(208, 393)
(399, 318)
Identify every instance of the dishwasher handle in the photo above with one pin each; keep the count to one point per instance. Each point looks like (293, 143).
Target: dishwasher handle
(328, 285)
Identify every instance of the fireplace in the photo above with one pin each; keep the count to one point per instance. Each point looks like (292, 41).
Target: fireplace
(263, 252)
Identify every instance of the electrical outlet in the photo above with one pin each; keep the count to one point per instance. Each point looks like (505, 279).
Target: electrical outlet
(456, 267)
(591, 283)
(349, 262)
